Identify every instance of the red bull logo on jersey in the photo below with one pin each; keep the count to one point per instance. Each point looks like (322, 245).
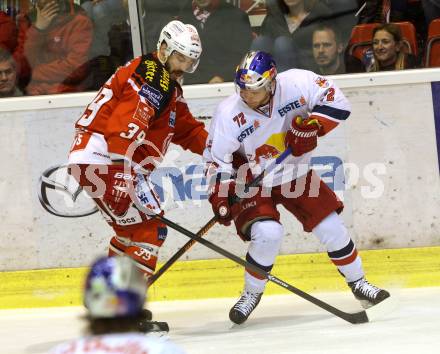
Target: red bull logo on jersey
(271, 148)
(267, 152)
(322, 82)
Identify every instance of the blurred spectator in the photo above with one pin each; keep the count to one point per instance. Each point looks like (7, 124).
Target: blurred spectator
(56, 43)
(104, 14)
(8, 75)
(121, 46)
(120, 41)
(327, 50)
(8, 32)
(431, 9)
(343, 16)
(388, 52)
(114, 297)
(287, 29)
(226, 36)
(375, 11)
(385, 11)
(157, 13)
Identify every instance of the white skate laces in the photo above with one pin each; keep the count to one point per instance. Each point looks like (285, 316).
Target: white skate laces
(245, 305)
(367, 293)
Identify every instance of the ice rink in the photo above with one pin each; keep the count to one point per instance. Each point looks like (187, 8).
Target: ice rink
(280, 324)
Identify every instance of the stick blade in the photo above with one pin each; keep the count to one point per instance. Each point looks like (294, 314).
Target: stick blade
(357, 317)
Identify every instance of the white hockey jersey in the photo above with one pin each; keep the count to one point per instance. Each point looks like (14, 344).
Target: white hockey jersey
(124, 343)
(260, 138)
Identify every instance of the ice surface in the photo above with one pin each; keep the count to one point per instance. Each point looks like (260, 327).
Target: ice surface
(280, 324)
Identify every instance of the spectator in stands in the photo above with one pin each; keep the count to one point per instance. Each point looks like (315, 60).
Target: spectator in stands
(8, 32)
(56, 45)
(157, 13)
(431, 9)
(226, 35)
(343, 16)
(388, 52)
(327, 50)
(287, 29)
(121, 47)
(8, 75)
(385, 11)
(104, 14)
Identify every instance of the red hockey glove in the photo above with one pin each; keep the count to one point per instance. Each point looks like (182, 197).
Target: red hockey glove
(302, 136)
(241, 165)
(117, 196)
(219, 200)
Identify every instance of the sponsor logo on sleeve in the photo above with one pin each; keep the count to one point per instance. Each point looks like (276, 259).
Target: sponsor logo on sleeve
(162, 233)
(151, 94)
(322, 82)
(291, 106)
(172, 120)
(143, 113)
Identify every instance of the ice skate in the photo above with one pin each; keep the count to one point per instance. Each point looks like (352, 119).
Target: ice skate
(146, 325)
(248, 301)
(368, 294)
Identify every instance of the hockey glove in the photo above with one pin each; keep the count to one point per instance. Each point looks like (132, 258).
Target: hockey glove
(219, 198)
(147, 197)
(118, 182)
(302, 136)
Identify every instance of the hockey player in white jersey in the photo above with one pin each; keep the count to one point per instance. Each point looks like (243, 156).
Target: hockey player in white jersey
(269, 113)
(114, 296)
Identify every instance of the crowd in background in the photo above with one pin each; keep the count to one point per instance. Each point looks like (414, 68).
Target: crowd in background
(59, 46)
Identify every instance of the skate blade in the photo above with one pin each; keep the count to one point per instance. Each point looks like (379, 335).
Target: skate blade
(382, 309)
(233, 325)
(153, 326)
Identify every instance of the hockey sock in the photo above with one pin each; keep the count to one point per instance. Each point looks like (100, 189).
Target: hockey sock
(340, 248)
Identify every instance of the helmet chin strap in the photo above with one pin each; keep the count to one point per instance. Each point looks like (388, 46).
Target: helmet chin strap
(163, 59)
(273, 86)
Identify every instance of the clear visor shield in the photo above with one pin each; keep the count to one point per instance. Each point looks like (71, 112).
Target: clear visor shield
(186, 64)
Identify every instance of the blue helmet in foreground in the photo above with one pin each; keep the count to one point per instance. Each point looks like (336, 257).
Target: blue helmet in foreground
(256, 70)
(114, 287)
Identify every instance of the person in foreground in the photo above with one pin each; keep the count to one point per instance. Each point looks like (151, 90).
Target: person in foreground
(250, 128)
(124, 134)
(114, 297)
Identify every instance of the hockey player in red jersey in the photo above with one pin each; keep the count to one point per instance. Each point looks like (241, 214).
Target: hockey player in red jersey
(269, 113)
(114, 297)
(125, 132)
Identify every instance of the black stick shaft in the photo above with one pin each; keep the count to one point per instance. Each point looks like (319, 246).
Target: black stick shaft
(181, 251)
(358, 317)
(212, 222)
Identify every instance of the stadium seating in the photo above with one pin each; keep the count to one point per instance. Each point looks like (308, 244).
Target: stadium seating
(361, 38)
(432, 56)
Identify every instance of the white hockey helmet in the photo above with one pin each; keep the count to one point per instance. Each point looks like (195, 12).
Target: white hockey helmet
(182, 38)
(114, 287)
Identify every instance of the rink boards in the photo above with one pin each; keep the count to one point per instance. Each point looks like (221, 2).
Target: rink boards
(391, 268)
(384, 164)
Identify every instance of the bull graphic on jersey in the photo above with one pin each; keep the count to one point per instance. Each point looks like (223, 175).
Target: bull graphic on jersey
(272, 147)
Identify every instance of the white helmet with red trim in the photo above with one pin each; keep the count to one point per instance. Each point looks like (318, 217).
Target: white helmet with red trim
(182, 38)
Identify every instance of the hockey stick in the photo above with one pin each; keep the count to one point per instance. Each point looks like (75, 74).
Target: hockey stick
(357, 317)
(212, 222)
